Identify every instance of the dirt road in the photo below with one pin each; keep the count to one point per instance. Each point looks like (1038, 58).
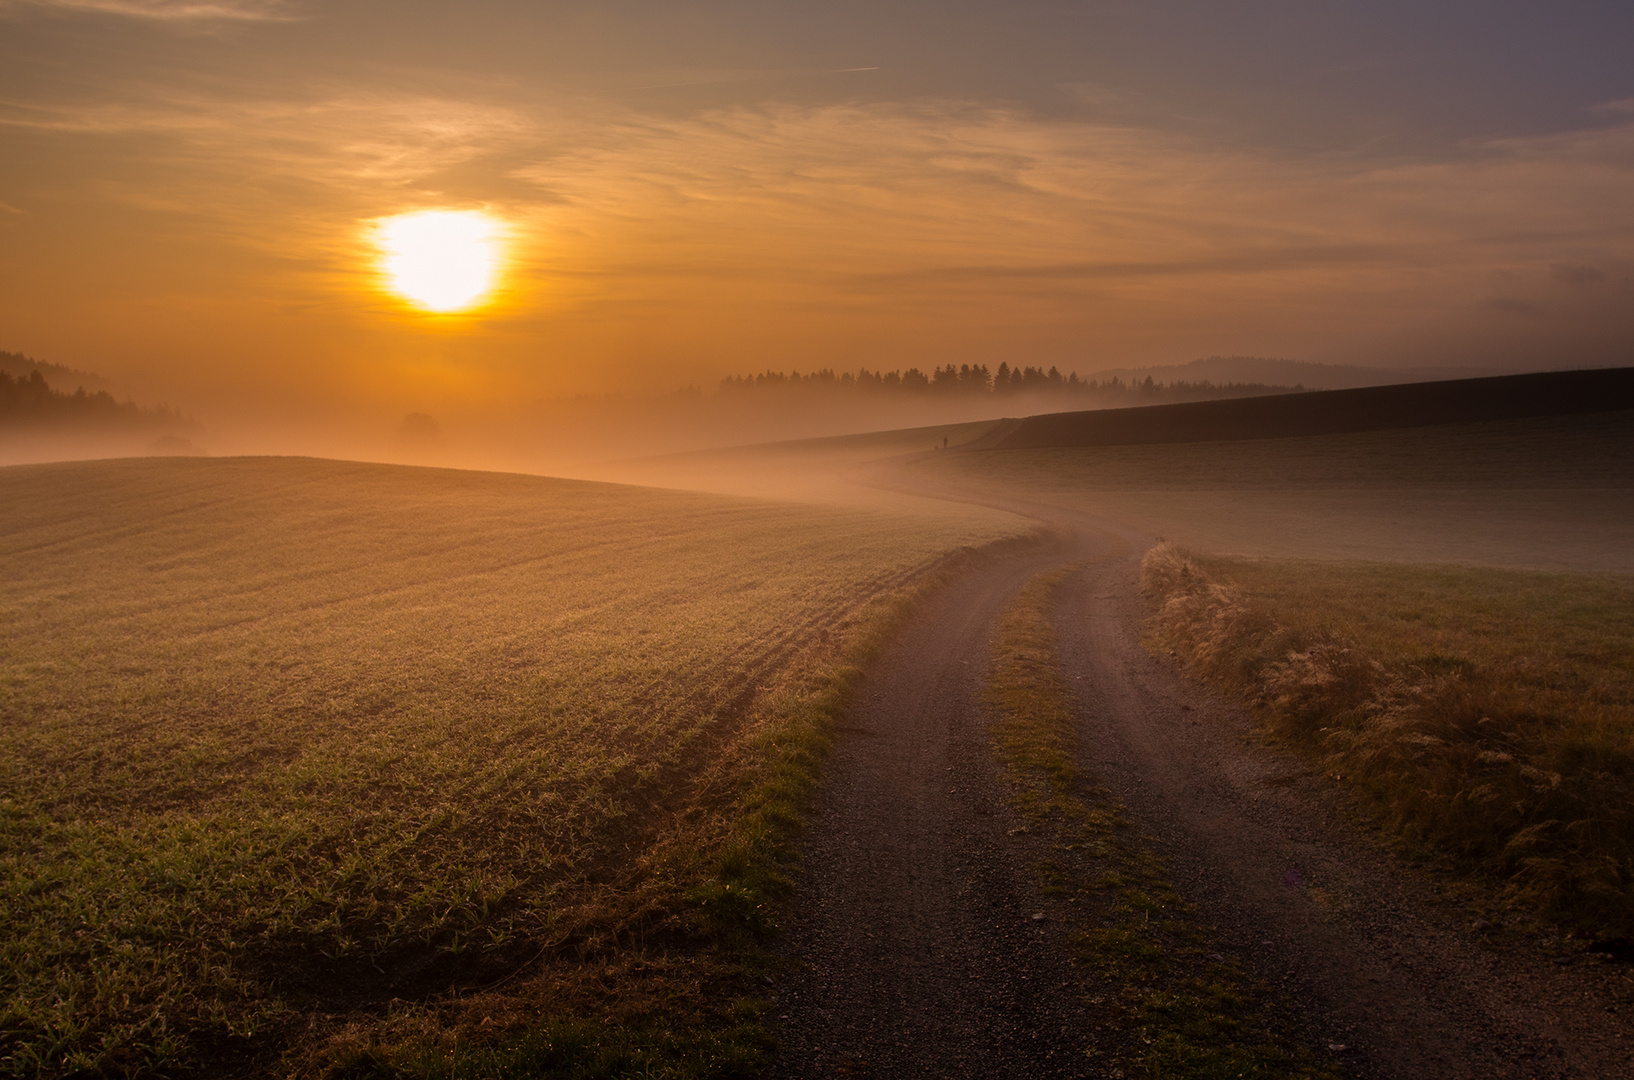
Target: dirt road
(915, 951)
(917, 954)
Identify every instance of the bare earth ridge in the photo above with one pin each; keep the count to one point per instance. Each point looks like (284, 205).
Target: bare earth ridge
(914, 947)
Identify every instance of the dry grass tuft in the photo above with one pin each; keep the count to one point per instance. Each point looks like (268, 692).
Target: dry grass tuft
(1490, 712)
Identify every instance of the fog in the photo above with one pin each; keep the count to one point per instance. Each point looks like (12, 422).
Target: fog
(568, 432)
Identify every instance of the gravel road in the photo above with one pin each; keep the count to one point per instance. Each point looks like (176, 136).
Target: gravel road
(917, 954)
(913, 944)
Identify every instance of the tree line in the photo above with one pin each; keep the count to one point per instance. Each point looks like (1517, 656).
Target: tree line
(977, 379)
(29, 399)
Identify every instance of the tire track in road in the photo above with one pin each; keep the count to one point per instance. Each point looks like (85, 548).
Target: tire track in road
(915, 949)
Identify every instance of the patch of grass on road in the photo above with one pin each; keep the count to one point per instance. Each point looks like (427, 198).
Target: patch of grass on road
(317, 767)
(1490, 712)
(1176, 1009)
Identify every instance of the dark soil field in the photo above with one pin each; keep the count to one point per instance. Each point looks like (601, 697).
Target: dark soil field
(1545, 493)
(1327, 412)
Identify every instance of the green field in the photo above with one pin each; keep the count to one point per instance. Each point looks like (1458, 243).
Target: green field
(308, 762)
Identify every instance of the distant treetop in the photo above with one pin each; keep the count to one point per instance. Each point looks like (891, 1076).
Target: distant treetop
(19, 366)
(30, 400)
(1007, 380)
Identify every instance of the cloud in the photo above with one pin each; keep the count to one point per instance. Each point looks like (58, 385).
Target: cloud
(244, 164)
(167, 10)
(944, 194)
(1576, 275)
(929, 195)
(843, 203)
(894, 233)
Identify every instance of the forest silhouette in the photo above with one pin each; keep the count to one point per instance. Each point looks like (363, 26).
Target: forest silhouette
(30, 400)
(971, 379)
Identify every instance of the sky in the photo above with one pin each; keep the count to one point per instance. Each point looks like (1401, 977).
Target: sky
(687, 190)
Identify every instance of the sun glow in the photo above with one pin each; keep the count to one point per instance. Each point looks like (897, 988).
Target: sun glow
(440, 260)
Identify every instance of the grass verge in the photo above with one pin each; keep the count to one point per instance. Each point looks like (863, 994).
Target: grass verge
(1176, 1007)
(1490, 713)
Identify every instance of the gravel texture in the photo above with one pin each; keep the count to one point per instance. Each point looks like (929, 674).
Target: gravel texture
(916, 951)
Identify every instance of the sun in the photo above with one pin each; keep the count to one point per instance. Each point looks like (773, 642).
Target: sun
(440, 260)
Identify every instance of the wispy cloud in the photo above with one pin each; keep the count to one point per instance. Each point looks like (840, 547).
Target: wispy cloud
(949, 193)
(245, 164)
(166, 10)
(943, 191)
(949, 227)
(919, 229)
(1577, 275)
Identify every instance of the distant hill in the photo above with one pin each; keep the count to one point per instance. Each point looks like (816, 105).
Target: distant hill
(63, 378)
(1327, 412)
(1277, 372)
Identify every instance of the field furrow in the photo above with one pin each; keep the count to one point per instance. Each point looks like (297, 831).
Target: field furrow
(287, 741)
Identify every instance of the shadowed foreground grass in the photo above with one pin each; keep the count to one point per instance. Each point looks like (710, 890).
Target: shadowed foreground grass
(318, 768)
(1490, 712)
(1174, 1008)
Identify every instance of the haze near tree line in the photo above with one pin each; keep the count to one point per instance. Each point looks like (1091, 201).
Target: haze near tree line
(206, 202)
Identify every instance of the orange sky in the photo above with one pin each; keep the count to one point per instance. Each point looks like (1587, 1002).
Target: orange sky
(189, 188)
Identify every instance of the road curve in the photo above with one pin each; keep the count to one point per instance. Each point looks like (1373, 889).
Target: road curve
(1367, 953)
(913, 947)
